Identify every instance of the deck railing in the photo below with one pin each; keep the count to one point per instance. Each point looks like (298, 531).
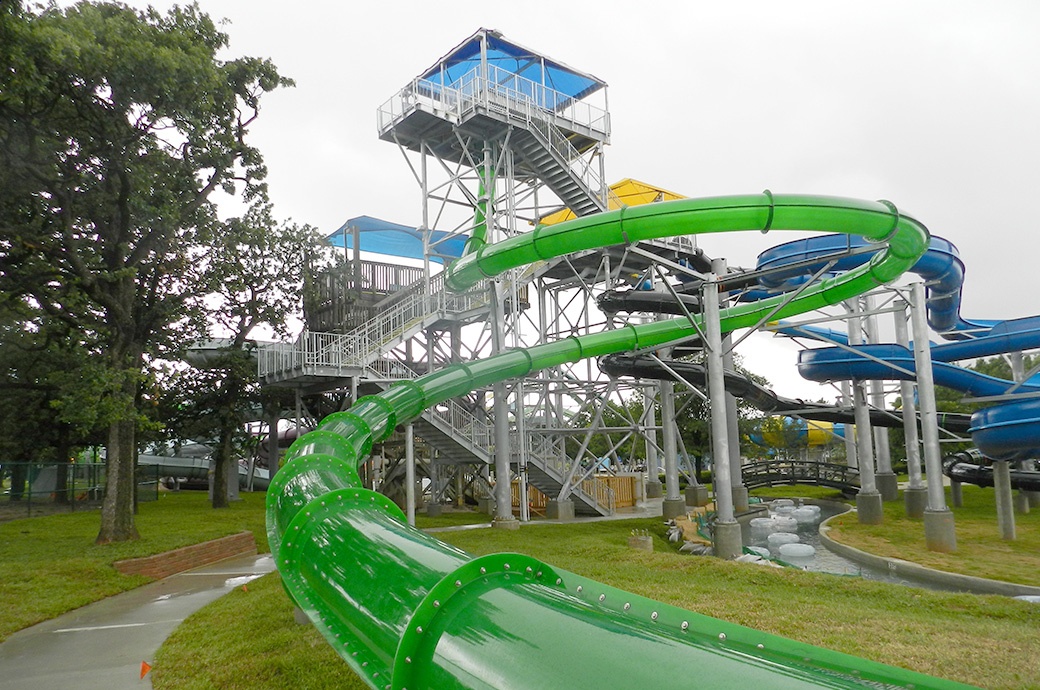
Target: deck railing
(473, 87)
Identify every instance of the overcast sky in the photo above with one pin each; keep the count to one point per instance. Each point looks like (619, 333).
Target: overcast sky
(932, 105)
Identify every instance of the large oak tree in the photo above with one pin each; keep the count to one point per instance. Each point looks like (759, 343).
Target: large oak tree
(116, 128)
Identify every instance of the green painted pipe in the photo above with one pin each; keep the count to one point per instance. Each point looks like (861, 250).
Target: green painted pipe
(407, 611)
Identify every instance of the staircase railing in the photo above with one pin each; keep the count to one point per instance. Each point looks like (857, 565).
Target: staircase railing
(479, 434)
(544, 449)
(463, 423)
(364, 344)
(580, 166)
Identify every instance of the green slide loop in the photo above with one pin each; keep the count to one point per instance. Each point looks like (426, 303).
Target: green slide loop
(369, 582)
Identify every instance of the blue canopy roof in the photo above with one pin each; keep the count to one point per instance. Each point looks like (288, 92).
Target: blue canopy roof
(383, 237)
(513, 59)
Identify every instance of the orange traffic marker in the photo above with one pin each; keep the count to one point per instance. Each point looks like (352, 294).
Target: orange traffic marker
(145, 668)
(244, 588)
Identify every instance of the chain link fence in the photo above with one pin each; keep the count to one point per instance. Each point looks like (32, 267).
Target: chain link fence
(34, 488)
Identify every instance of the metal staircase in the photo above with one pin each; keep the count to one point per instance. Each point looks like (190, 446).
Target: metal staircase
(317, 355)
(461, 437)
(552, 143)
(556, 140)
(551, 166)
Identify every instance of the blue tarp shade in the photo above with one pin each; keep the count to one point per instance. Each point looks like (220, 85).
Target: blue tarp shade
(514, 60)
(384, 237)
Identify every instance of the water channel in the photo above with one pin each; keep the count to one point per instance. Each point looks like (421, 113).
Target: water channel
(798, 523)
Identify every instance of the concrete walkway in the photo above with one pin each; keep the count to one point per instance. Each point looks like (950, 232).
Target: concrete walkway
(101, 646)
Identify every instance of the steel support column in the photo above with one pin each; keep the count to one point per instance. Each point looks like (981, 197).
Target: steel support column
(915, 496)
(868, 500)
(939, 532)
(728, 544)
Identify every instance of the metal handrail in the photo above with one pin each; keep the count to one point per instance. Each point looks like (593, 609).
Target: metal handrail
(543, 447)
(831, 474)
(480, 435)
(449, 100)
(461, 421)
(539, 107)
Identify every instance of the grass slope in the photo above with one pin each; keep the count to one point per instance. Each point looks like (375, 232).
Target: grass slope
(987, 641)
(50, 565)
(980, 550)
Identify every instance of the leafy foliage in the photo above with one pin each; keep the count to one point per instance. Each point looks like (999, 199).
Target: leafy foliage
(116, 128)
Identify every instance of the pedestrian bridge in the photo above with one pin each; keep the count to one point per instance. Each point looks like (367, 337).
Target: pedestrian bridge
(788, 472)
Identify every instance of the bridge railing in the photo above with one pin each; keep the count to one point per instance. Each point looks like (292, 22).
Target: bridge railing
(778, 472)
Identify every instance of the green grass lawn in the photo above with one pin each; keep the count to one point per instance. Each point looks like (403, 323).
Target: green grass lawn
(248, 640)
(50, 565)
(980, 550)
(451, 518)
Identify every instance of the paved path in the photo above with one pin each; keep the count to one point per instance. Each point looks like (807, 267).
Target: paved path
(101, 646)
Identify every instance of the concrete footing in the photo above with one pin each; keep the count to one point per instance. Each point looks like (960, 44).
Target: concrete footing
(887, 485)
(505, 523)
(740, 499)
(1005, 499)
(939, 534)
(654, 489)
(673, 507)
(697, 495)
(641, 542)
(915, 500)
(1022, 502)
(299, 617)
(560, 510)
(1034, 498)
(868, 508)
(728, 541)
(434, 509)
(486, 505)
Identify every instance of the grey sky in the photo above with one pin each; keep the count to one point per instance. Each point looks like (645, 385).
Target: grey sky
(932, 105)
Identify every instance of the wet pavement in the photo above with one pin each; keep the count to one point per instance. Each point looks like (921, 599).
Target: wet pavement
(101, 646)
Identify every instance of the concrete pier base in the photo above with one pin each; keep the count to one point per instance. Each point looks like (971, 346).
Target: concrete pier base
(673, 507)
(1022, 502)
(560, 510)
(641, 543)
(915, 500)
(1005, 499)
(728, 541)
(888, 486)
(939, 534)
(868, 507)
(654, 489)
(740, 499)
(697, 495)
(434, 509)
(505, 523)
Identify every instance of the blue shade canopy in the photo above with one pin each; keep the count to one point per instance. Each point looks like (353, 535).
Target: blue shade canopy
(513, 61)
(383, 237)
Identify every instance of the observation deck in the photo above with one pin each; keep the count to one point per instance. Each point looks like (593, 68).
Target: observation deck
(489, 89)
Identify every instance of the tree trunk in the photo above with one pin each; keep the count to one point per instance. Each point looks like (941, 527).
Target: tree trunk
(62, 493)
(117, 507)
(220, 470)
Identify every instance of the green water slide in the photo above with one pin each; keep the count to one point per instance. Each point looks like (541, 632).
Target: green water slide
(407, 611)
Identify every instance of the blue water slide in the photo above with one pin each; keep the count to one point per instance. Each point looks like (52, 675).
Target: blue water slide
(1009, 431)
(1003, 432)
(941, 267)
